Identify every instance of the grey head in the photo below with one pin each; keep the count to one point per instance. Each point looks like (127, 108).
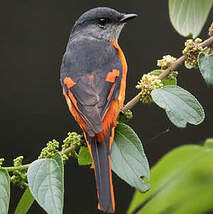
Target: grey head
(101, 23)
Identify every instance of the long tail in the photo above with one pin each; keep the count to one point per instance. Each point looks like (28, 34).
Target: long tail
(100, 152)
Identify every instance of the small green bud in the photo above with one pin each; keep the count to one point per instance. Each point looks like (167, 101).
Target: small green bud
(1, 161)
(18, 161)
(198, 40)
(64, 157)
(50, 150)
(19, 178)
(128, 114)
(173, 75)
(125, 117)
(185, 50)
(20, 175)
(73, 140)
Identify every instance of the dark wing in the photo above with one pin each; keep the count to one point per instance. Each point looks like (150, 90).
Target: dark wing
(94, 71)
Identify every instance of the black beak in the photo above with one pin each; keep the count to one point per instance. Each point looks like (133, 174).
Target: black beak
(127, 17)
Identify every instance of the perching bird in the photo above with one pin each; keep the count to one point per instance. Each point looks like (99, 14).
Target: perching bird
(93, 77)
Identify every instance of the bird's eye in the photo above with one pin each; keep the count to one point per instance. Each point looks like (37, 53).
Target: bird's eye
(102, 21)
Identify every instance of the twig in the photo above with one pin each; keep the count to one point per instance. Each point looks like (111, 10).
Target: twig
(177, 63)
(131, 103)
(69, 149)
(26, 166)
(172, 67)
(13, 168)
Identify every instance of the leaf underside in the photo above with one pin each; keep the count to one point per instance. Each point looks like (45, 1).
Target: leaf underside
(189, 16)
(128, 158)
(205, 63)
(46, 183)
(4, 191)
(181, 107)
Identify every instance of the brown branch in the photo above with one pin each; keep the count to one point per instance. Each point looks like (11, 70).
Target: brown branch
(207, 42)
(131, 103)
(69, 149)
(177, 63)
(172, 67)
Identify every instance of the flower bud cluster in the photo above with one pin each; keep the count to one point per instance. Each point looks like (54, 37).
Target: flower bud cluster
(73, 140)
(191, 50)
(20, 175)
(148, 83)
(166, 62)
(50, 150)
(125, 117)
(18, 161)
(172, 75)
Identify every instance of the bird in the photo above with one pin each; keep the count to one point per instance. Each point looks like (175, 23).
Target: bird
(93, 77)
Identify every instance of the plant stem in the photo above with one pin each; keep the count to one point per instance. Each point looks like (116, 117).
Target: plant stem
(26, 166)
(13, 168)
(69, 149)
(131, 103)
(173, 66)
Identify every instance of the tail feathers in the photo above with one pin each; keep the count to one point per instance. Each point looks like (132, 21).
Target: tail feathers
(102, 162)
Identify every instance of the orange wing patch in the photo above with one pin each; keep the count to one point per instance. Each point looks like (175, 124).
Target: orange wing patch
(74, 101)
(90, 77)
(110, 119)
(123, 80)
(69, 82)
(73, 111)
(111, 76)
(110, 93)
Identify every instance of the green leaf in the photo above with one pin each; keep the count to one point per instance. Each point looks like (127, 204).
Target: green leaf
(4, 191)
(168, 80)
(189, 16)
(181, 107)
(84, 157)
(182, 182)
(128, 159)
(205, 63)
(209, 143)
(25, 202)
(46, 183)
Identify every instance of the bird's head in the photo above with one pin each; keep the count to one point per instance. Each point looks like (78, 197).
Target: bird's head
(102, 23)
